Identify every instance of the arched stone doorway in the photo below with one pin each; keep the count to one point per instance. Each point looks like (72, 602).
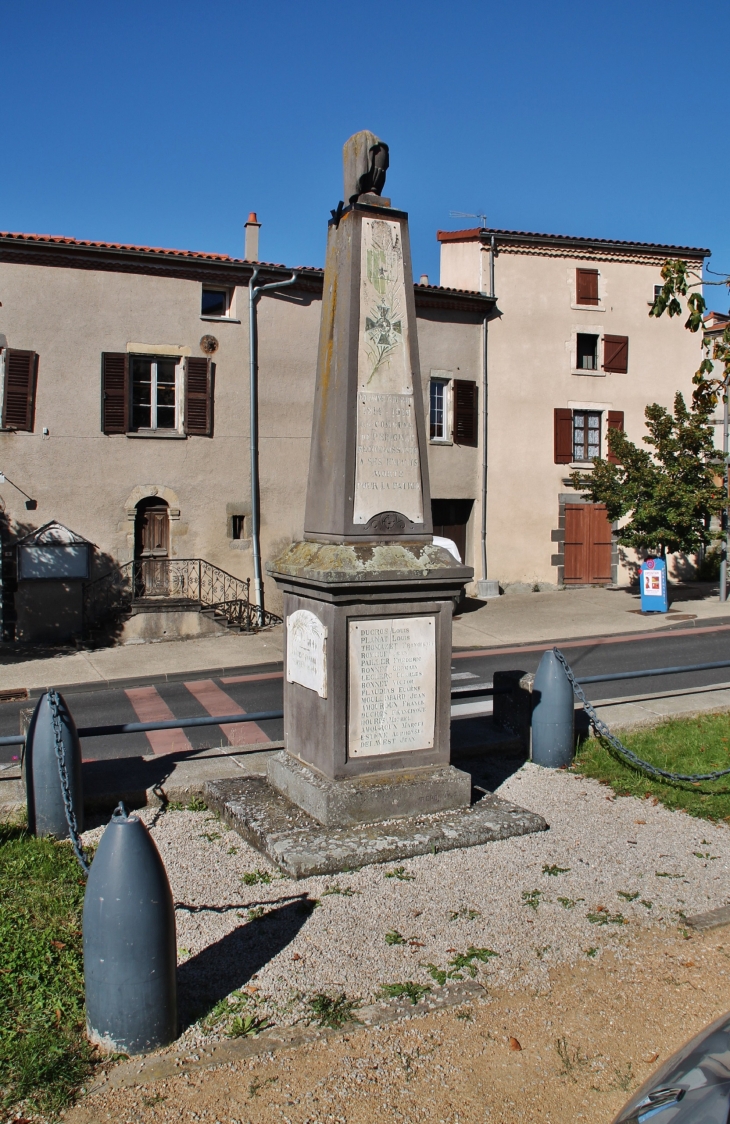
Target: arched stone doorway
(151, 547)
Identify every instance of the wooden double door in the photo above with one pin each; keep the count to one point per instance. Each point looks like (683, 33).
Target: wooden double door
(588, 544)
(152, 548)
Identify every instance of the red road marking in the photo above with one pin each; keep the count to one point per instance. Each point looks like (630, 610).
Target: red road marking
(149, 706)
(587, 643)
(251, 678)
(217, 701)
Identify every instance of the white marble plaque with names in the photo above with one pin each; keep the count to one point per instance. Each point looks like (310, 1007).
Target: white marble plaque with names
(391, 685)
(306, 651)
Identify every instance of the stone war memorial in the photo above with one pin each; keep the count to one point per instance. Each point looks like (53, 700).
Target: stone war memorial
(366, 773)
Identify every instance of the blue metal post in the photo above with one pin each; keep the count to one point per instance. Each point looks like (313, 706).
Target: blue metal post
(46, 809)
(130, 954)
(553, 722)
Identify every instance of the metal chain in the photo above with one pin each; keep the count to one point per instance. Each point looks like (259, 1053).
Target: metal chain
(54, 703)
(602, 729)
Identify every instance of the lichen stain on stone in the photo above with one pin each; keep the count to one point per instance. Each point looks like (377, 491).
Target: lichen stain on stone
(362, 560)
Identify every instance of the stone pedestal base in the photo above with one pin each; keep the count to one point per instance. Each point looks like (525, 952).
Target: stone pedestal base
(371, 798)
(301, 847)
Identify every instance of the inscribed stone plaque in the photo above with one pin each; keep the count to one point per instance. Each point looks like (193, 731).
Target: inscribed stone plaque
(391, 685)
(306, 654)
(387, 466)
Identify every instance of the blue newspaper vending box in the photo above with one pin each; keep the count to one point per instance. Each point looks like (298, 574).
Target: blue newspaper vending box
(653, 578)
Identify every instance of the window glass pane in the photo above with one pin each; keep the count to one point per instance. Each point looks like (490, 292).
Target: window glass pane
(438, 419)
(214, 303)
(166, 394)
(141, 393)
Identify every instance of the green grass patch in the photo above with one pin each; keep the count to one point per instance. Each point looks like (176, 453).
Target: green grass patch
(332, 1010)
(44, 1054)
(682, 745)
(408, 990)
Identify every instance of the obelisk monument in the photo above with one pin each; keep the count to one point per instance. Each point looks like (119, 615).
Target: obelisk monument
(367, 596)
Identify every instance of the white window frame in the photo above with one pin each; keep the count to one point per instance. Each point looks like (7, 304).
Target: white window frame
(153, 360)
(601, 408)
(230, 314)
(572, 349)
(444, 379)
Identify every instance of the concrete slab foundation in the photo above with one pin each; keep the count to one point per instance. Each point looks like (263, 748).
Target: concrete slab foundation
(301, 847)
(371, 798)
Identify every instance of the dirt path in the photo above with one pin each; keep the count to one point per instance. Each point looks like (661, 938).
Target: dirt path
(587, 1042)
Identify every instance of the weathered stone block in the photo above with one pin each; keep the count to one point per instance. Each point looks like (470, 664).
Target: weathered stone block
(372, 798)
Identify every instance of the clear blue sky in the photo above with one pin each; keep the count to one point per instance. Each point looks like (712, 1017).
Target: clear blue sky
(165, 123)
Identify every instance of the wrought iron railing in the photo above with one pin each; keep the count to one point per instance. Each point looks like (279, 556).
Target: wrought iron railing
(112, 596)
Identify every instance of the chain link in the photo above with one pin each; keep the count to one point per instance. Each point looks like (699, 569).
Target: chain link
(54, 702)
(602, 729)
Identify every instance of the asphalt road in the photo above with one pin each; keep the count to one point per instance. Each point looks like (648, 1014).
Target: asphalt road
(260, 689)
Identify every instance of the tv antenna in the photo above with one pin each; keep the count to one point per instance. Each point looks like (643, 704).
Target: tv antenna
(469, 215)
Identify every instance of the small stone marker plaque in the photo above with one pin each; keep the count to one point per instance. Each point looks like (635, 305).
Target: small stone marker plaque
(306, 654)
(392, 685)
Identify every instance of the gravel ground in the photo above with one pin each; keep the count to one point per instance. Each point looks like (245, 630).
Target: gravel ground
(540, 902)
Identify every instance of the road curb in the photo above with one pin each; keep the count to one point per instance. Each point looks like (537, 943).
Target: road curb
(125, 682)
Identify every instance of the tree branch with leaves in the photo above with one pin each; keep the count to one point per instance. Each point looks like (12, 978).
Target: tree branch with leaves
(667, 490)
(679, 279)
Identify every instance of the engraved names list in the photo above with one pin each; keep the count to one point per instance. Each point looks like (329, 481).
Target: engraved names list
(392, 685)
(388, 465)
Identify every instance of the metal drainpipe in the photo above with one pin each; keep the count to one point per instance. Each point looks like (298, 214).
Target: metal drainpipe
(254, 292)
(726, 472)
(485, 411)
(486, 588)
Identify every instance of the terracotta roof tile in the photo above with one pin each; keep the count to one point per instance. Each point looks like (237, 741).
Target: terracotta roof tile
(197, 254)
(473, 234)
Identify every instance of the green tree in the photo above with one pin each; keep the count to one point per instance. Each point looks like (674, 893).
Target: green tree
(678, 281)
(665, 494)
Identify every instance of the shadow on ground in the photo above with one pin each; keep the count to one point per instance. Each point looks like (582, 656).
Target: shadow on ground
(230, 963)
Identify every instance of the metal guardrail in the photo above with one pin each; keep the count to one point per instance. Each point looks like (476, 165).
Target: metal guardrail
(272, 715)
(652, 671)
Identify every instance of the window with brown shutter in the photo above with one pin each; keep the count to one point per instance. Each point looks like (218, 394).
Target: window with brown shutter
(21, 374)
(615, 420)
(586, 286)
(466, 421)
(199, 374)
(563, 423)
(616, 354)
(114, 392)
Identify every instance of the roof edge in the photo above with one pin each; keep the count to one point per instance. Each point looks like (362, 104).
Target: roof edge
(524, 237)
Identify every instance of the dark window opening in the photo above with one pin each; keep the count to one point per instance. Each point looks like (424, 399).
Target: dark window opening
(587, 353)
(586, 435)
(657, 291)
(237, 526)
(214, 302)
(154, 393)
(450, 519)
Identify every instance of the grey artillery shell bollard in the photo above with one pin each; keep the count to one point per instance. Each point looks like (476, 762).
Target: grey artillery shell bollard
(553, 716)
(130, 951)
(52, 731)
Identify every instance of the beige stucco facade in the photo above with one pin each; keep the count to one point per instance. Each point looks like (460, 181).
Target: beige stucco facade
(533, 370)
(70, 307)
(71, 302)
